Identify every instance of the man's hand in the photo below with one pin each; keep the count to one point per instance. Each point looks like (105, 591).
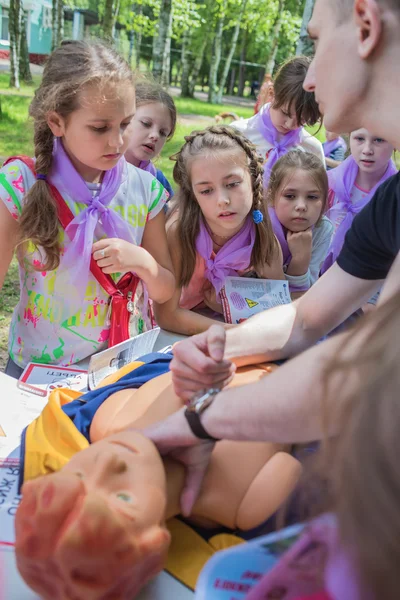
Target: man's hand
(199, 363)
(173, 437)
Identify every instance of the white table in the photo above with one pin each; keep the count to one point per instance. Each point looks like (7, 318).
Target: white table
(163, 587)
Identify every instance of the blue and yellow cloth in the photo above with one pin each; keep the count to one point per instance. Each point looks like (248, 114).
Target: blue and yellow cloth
(62, 429)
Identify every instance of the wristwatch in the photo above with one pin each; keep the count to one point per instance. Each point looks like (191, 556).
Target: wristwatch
(195, 407)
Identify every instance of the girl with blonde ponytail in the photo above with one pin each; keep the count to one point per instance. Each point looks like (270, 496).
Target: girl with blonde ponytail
(82, 112)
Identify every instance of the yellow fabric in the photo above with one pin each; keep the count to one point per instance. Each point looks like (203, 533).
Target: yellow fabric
(52, 439)
(189, 552)
(120, 373)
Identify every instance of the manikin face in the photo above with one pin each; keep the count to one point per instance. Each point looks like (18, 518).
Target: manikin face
(222, 187)
(337, 74)
(299, 202)
(371, 153)
(283, 119)
(96, 135)
(149, 131)
(129, 476)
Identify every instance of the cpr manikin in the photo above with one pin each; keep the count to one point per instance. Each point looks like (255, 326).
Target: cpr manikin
(95, 530)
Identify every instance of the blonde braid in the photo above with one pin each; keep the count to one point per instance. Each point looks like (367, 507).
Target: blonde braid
(42, 232)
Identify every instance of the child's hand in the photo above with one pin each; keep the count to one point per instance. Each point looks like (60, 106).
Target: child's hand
(117, 256)
(300, 244)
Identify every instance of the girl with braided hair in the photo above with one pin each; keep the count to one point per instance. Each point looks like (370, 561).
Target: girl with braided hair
(297, 195)
(82, 112)
(219, 226)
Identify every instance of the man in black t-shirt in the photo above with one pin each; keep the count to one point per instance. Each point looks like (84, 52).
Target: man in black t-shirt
(355, 77)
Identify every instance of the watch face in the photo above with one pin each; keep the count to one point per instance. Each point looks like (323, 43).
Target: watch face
(201, 400)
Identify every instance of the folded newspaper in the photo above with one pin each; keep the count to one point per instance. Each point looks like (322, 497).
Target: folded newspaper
(109, 361)
(243, 297)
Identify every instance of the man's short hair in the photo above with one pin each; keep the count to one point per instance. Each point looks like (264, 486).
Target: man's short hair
(344, 8)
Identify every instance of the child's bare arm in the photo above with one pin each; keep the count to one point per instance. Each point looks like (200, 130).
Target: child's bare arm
(8, 239)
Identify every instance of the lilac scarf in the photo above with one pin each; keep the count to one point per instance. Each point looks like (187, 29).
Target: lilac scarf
(341, 181)
(234, 256)
(280, 234)
(147, 165)
(281, 144)
(65, 178)
(333, 145)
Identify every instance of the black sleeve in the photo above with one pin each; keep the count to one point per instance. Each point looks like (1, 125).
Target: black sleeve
(373, 241)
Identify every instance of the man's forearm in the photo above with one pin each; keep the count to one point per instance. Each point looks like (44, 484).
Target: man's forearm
(285, 406)
(287, 330)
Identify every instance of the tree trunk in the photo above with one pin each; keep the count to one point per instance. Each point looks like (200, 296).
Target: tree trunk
(14, 26)
(131, 46)
(115, 17)
(242, 67)
(24, 69)
(270, 64)
(302, 44)
(185, 64)
(108, 20)
(163, 40)
(54, 24)
(229, 58)
(60, 22)
(138, 38)
(166, 68)
(198, 61)
(216, 58)
(232, 82)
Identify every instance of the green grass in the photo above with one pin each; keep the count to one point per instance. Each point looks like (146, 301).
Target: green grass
(192, 106)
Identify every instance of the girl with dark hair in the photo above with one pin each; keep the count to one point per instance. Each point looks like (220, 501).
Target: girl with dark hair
(278, 127)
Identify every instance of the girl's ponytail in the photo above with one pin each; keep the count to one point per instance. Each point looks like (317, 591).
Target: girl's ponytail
(39, 220)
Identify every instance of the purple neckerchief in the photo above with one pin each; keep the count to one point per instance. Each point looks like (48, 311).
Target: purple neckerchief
(147, 165)
(333, 145)
(280, 234)
(316, 562)
(234, 256)
(341, 181)
(65, 178)
(281, 144)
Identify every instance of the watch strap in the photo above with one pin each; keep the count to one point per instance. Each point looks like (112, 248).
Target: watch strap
(193, 418)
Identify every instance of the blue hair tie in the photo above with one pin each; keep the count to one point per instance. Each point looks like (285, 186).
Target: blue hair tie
(41, 176)
(258, 217)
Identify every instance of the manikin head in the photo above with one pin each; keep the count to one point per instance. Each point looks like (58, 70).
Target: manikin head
(95, 530)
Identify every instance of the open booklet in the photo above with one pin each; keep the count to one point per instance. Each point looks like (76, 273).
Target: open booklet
(109, 361)
(231, 574)
(243, 297)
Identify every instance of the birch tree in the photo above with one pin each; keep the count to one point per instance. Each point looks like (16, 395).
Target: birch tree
(216, 54)
(24, 68)
(303, 44)
(270, 64)
(57, 30)
(14, 26)
(108, 20)
(228, 61)
(162, 41)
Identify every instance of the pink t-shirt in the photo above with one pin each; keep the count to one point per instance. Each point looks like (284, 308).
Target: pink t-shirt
(192, 296)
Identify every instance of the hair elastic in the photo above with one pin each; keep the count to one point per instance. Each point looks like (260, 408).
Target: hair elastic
(258, 217)
(41, 176)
